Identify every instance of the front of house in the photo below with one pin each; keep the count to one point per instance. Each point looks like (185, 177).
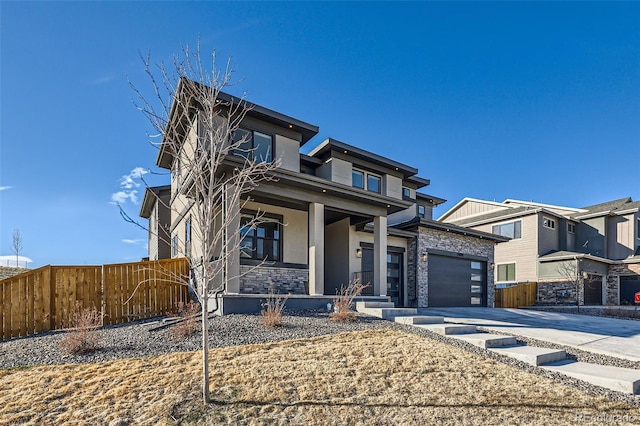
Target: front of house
(334, 215)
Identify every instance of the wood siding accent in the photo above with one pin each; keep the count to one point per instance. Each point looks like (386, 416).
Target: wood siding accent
(471, 208)
(45, 299)
(516, 296)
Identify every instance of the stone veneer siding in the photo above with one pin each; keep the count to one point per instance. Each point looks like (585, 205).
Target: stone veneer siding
(613, 280)
(412, 296)
(8, 271)
(256, 280)
(551, 292)
(436, 239)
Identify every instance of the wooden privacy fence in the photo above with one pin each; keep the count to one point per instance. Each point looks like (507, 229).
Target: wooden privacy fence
(516, 296)
(45, 299)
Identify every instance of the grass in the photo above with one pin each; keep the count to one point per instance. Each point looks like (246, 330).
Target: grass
(272, 309)
(84, 336)
(369, 377)
(343, 304)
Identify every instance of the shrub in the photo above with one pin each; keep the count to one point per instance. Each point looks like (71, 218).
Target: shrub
(343, 304)
(83, 337)
(273, 306)
(188, 320)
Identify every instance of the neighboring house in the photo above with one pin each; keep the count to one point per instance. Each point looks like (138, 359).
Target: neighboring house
(337, 214)
(592, 253)
(155, 208)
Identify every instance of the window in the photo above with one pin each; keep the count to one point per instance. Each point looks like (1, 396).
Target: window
(509, 230)
(373, 183)
(421, 211)
(638, 228)
(406, 192)
(262, 241)
(253, 145)
(507, 272)
(571, 228)
(360, 178)
(176, 173)
(357, 179)
(187, 237)
(548, 223)
(174, 245)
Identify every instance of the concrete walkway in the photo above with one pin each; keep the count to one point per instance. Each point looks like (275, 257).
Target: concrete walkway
(614, 337)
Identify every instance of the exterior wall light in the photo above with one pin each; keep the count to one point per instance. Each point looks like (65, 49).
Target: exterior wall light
(424, 257)
(358, 252)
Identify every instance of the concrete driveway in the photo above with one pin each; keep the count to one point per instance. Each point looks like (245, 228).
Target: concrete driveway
(615, 337)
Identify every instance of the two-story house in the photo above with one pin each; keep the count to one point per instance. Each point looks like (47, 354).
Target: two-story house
(591, 253)
(333, 215)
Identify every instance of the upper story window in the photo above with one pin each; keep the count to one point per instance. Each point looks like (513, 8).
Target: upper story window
(571, 228)
(253, 145)
(638, 228)
(422, 211)
(548, 223)
(365, 180)
(406, 192)
(263, 240)
(176, 173)
(510, 229)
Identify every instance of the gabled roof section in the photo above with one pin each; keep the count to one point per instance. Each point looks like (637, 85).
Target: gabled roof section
(499, 215)
(178, 117)
(467, 200)
(557, 209)
(610, 208)
(330, 144)
(568, 255)
(151, 198)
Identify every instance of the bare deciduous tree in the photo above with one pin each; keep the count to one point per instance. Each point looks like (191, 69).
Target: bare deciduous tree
(16, 244)
(570, 270)
(212, 167)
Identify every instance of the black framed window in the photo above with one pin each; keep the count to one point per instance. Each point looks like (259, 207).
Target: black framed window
(365, 180)
(421, 211)
(263, 240)
(548, 222)
(406, 192)
(174, 245)
(253, 145)
(509, 230)
(187, 236)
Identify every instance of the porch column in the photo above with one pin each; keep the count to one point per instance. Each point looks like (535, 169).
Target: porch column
(232, 235)
(316, 249)
(380, 255)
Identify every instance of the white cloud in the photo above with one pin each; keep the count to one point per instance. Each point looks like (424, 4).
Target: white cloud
(133, 241)
(121, 197)
(2, 188)
(127, 183)
(10, 261)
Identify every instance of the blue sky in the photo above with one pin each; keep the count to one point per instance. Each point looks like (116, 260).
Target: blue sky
(534, 101)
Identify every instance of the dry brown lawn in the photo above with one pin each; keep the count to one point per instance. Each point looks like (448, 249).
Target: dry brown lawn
(380, 377)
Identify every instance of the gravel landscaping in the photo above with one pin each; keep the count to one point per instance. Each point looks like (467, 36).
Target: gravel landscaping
(148, 338)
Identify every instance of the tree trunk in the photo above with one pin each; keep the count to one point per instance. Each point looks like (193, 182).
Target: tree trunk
(205, 347)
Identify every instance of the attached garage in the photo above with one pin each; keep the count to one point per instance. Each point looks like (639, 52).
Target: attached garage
(593, 291)
(455, 281)
(629, 286)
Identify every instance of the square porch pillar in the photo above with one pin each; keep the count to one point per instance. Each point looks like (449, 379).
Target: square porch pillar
(316, 249)
(232, 235)
(380, 255)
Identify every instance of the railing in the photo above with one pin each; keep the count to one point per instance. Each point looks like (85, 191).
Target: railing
(45, 299)
(516, 296)
(365, 277)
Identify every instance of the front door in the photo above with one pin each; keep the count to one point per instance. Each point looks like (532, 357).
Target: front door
(394, 278)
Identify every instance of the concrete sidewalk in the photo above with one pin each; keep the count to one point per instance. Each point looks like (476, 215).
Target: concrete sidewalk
(614, 337)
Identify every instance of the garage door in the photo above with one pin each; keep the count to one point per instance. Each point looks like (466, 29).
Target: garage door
(629, 285)
(456, 282)
(593, 291)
